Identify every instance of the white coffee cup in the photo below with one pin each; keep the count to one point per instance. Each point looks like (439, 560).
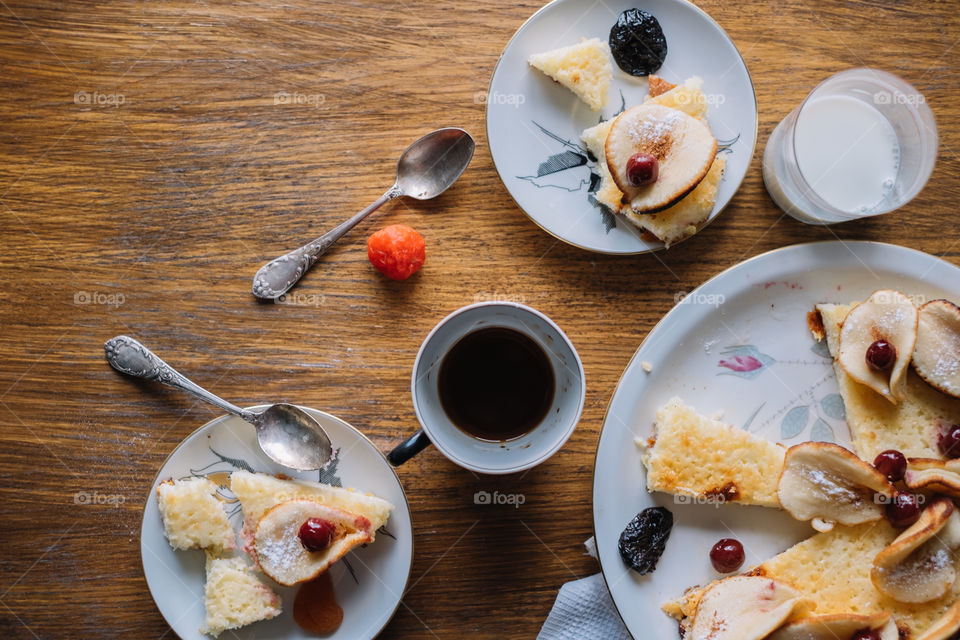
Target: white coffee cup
(470, 452)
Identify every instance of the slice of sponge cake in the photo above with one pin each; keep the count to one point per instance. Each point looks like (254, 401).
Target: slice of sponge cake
(608, 193)
(193, 517)
(234, 597)
(584, 68)
(692, 455)
(912, 426)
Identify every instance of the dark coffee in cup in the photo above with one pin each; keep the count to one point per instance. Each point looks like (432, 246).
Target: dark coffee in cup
(496, 384)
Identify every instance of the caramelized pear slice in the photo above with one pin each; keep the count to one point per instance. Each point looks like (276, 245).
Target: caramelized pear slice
(745, 608)
(281, 553)
(939, 476)
(683, 146)
(936, 356)
(887, 316)
(946, 625)
(918, 566)
(827, 484)
(837, 625)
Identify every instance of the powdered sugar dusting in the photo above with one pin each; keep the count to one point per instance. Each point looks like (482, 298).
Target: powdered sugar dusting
(946, 367)
(922, 566)
(892, 320)
(282, 551)
(830, 485)
(652, 129)
(656, 135)
(886, 323)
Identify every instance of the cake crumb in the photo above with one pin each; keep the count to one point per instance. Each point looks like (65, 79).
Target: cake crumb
(646, 366)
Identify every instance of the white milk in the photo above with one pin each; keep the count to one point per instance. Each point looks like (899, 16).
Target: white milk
(847, 151)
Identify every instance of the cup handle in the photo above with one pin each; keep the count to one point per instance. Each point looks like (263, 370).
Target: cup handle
(408, 448)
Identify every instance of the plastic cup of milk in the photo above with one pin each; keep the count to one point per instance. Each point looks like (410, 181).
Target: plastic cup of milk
(863, 143)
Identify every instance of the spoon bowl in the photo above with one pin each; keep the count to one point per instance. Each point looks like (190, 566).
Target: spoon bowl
(293, 438)
(287, 434)
(430, 165)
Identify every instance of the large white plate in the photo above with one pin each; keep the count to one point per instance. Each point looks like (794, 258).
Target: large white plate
(738, 344)
(368, 581)
(534, 124)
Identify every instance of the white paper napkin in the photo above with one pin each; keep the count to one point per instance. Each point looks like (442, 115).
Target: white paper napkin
(584, 611)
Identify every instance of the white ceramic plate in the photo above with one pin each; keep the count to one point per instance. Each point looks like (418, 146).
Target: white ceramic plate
(534, 124)
(368, 581)
(738, 344)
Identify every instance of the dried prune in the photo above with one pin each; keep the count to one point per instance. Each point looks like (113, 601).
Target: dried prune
(643, 541)
(637, 42)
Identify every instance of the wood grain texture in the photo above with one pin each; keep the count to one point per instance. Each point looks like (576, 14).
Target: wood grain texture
(162, 208)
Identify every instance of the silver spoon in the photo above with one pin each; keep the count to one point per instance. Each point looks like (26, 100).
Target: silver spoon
(288, 435)
(426, 169)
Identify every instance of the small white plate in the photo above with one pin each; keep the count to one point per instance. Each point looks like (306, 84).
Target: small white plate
(534, 124)
(369, 582)
(739, 344)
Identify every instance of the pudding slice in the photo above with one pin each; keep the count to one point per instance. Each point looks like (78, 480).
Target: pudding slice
(193, 516)
(705, 460)
(584, 68)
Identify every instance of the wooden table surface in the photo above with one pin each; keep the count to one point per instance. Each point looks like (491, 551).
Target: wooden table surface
(145, 174)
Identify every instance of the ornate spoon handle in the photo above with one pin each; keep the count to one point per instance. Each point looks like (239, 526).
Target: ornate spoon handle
(129, 356)
(279, 275)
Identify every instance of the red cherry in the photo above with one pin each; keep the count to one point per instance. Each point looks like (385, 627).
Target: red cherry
(316, 534)
(727, 555)
(642, 169)
(866, 634)
(892, 464)
(881, 355)
(903, 510)
(949, 442)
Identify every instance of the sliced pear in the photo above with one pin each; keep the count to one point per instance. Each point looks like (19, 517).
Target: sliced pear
(745, 608)
(886, 315)
(940, 476)
(946, 625)
(827, 484)
(682, 144)
(282, 556)
(919, 566)
(936, 356)
(837, 625)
